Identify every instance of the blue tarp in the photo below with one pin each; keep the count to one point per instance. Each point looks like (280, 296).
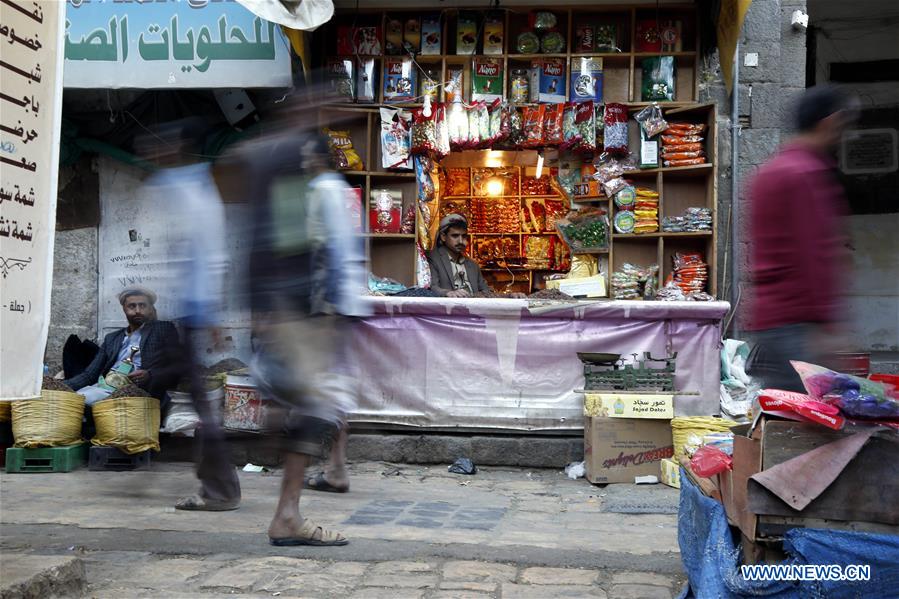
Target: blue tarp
(712, 561)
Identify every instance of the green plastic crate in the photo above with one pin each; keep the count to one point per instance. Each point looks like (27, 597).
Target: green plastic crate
(46, 459)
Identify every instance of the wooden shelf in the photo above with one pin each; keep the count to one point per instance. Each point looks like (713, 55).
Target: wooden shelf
(655, 54)
(697, 168)
(658, 234)
(377, 174)
(389, 235)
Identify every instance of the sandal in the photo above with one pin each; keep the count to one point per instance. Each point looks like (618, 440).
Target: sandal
(311, 534)
(196, 503)
(320, 483)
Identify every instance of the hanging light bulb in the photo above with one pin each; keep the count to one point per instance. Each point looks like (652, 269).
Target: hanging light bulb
(426, 109)
(539, 164)
(495, 187)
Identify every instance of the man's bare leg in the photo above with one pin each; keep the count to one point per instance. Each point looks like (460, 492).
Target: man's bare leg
(287, 523)
(335, 470)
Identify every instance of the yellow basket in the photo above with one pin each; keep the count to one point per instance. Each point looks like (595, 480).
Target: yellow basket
(685, 427)
(130, 424)
(5, 411)
(53, 420)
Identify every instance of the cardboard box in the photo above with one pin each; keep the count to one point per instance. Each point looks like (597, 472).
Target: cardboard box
(486, 79)
(618, 449)
(586, 79)
(548, 80)
(431, 33)
(629, 405)
(400, 80)
(670, 473)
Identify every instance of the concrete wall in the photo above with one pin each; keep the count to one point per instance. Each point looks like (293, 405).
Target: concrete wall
(766, 93)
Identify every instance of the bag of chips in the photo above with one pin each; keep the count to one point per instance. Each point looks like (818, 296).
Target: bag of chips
(342, 153)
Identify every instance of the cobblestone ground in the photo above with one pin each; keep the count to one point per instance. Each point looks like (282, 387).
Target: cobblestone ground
(414, 531)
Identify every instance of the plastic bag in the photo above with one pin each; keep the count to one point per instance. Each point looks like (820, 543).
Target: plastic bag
(443, 139)
(585, 121)
(532, 126)
(615, 132)
(342, 153)
(586, 229)
(855, 396)
(552, 124)
(457, 123)
(658, 78)
(571, 135)
(709, 461)
(474, 127)
(651, 120)
(396, 143)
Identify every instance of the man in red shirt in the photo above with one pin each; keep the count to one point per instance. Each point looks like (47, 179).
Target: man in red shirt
(797, 254)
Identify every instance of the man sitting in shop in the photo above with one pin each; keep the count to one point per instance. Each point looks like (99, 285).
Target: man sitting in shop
(154, 370)
(452, 273)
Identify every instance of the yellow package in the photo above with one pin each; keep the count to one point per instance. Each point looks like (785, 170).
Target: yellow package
(583, 265)
(344, 155)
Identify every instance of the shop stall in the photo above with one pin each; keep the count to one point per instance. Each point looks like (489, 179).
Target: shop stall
(572, 141)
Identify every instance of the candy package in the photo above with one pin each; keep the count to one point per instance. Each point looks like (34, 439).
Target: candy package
(571, 134)
(422, 268)
(424, 167)
(585, 121)
(484, 125)
(424, 132)
(366, 81)
(585, 230)
(474, 127)
(455, 84)
(552, 124)
(615, 129)
(442, 127)
(343, 155)
(532, 125)
(457, 125)
(538, 251)
(400, 80)
(651, 120)
(340, 79)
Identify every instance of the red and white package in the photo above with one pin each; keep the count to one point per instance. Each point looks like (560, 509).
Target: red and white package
(803, 405)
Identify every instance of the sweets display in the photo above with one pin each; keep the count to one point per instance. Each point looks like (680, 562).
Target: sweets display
(646, 211)
(634, 282)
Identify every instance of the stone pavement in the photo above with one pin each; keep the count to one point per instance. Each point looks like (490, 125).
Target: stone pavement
(414, 532)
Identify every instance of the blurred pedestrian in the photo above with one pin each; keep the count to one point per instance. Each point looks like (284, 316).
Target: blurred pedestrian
(797, 256)
(194, 270)
(307, 275)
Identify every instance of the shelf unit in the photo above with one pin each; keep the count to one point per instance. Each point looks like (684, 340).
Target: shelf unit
(679, 187)
(622, 71)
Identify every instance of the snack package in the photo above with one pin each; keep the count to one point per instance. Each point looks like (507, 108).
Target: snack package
(466, 34)
(484, 124)
(654, 35)
(342, 153)
(486, 79)
(340, 79)
(424, 224)
(393, 36)
(625, 222)
(649, 151)
(495, 119)
(552, 42)
(606, 38)
(583, 265)
(516, 136)
(583, 39)
(538, 251)
(396, 142)
(422, 268)
(855, 396)
(400, 80)
(586, 79)
(474, 127)
(431, 33)
(658, 79)
(585, 120)
(362, 41)
(366, 81)
(443, 139)
(493, 34)
(615, 129)
(552, 124)
(532, 125)
(651, 120)
(424, 133)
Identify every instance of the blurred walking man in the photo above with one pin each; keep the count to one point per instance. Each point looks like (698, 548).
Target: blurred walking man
(307, 275)
(798, 258)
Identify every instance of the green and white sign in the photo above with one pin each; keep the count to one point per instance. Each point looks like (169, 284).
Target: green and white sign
(172, 44)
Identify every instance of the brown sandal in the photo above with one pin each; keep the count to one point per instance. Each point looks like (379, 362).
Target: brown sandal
(311, 534)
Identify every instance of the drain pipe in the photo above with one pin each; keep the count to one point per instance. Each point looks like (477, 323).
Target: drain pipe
(735, 193)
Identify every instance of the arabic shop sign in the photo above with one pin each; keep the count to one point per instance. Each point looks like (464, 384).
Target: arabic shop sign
(172, 44)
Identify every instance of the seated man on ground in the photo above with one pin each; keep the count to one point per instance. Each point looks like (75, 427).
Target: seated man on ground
(157, 341)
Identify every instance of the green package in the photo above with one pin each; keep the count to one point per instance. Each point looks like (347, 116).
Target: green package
(658, 79)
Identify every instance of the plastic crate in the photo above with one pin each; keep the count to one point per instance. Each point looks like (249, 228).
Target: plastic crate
(46, 459)
(111, 458)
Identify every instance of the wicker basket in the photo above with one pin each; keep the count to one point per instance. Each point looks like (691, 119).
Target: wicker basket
(130, 424)
(685, 427)
(53, 420)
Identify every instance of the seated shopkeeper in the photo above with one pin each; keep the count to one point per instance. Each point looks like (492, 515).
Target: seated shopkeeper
(452, 273)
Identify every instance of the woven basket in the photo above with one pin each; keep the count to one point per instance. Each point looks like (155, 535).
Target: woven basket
(685, 427)
(5, 411)
(53, 420)
(130, 424)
